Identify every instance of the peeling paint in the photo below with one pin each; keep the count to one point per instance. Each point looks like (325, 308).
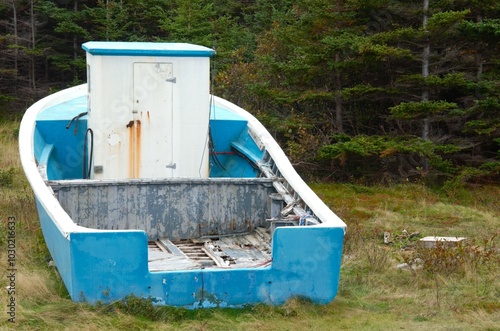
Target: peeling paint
(174, 208)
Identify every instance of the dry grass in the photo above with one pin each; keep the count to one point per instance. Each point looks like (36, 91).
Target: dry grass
(373, 294)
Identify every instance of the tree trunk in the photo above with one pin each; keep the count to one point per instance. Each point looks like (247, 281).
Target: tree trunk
(75, 43)
(16, 37)
(338, 87)
(478, 58)
(33, 44)
(338, 100)
(425, 73)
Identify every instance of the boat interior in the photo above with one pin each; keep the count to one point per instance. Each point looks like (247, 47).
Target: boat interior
(223, 221)
(219, 222)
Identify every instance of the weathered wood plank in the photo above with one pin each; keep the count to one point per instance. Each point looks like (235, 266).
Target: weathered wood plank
(176, 209)
(249, 250)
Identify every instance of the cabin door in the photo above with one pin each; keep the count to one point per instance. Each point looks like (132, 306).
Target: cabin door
(151, 131)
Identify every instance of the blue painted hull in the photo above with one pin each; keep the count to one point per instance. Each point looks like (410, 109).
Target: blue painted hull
(108, 265)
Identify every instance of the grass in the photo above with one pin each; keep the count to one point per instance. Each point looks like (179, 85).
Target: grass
(452, 288)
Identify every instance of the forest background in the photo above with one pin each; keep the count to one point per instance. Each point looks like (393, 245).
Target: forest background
(370, 91)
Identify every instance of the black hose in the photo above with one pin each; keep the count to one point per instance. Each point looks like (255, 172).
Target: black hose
(86, 173)
(76, 118)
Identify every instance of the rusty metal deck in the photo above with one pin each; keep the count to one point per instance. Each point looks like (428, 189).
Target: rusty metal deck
(230, 251)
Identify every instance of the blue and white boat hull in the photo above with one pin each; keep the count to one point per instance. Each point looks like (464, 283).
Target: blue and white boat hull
(99, 234)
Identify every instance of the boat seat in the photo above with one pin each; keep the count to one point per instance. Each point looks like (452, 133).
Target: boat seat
(246, 153)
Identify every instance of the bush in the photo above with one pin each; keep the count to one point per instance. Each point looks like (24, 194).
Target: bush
(6, 177)
(465, 256)
(384, 159)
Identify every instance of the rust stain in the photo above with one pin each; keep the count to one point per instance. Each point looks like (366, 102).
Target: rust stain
(130, 127)
(149, 119)
(134, 148)
(137, 148)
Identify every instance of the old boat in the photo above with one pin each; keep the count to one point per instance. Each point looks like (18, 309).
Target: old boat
(148, 185)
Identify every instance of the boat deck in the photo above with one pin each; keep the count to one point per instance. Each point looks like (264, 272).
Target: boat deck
(231, 251)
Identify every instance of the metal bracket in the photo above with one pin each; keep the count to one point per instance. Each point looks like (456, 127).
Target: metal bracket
(98, 169)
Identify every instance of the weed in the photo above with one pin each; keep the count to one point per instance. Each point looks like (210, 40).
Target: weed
(145, 308)
(461, 257)
(7, 176)
(377, 257)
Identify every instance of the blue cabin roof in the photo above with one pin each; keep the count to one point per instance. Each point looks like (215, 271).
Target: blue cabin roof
(119, 48)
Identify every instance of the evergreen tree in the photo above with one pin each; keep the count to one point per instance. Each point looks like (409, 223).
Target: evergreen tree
(307, 63)
(110, 20)
(189, 21)
(370, 87)
(69, 25)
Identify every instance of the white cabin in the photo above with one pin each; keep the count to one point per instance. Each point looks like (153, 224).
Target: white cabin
(148, 109)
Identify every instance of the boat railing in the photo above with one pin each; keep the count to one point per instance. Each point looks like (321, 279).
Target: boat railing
(299, 197)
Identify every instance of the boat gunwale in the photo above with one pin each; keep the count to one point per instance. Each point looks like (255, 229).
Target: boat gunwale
(327, 217)
(167, 181)
(42, 191)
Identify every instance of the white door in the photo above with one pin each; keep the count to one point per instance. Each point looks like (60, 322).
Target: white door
(150, 133)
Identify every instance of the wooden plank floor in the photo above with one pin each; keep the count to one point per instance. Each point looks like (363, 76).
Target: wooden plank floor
(234, 251)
